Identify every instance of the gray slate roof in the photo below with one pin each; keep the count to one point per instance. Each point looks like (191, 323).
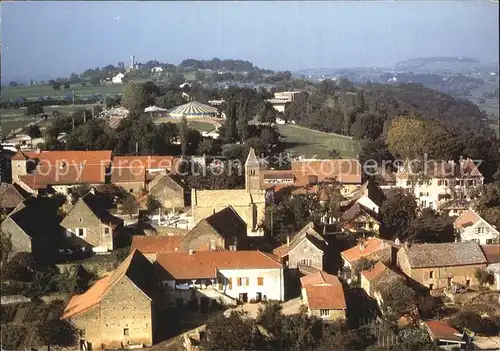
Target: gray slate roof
(445, 254)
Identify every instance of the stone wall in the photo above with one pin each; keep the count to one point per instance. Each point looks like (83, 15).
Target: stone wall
(306, 250)
(334, 315)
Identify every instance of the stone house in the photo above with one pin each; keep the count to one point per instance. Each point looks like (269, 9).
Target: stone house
(472, 227)
(33, 226)
(492, 254)
(249, 203)
(118, 310)
(360, 219)
(11, 196)
(168, 190)
(374, 279)
(435, 184)
(323, 295)
(438, 266)
(227, 276)
(223, 230)
(89, 222)
(306, 248)
(59, 171)
(151, 245)
(373, 249)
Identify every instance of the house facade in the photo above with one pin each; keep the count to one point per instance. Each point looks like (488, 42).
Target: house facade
(472, 227)
(167, 190)
(372, 281)
(439, 266)
(435, 184)
(224, 230)
(118, 310)
(249, 203)
(229, 276)
(91, 224)
(361, 220)
(306, 248)
(323, 295)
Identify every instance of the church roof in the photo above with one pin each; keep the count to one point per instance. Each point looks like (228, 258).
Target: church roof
(252, 160)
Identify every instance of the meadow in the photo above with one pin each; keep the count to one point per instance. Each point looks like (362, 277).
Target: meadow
(310, 143)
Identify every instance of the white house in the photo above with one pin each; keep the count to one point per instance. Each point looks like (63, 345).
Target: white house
(227, 275)
(472, 227)
(157, 69)
(118, 79)
(436, 183)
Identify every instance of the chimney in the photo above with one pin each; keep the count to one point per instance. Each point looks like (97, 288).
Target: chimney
(288, 240)
(92, 191)
(191, 251)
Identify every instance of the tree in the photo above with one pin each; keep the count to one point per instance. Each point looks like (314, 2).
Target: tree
(363, 264)
(270, 317)
(60, 332)
(34, 109)
(376, 151)
(55, 85)
(153, 204)
(93, 135)
(135, 97)
(406, 138)
(184, 135)
(300, 332)
(205, 147)
(398, 298)
(467, 319)
(129, 205)
(95, 80)
(5, 248)
(430, 227)
(66, 86)
(484, 276)
(13, 84)
(397, 211)
(231, 120)
(232, 333)
(33, 131)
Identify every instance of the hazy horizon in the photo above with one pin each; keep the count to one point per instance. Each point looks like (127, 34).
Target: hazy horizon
(42, 40)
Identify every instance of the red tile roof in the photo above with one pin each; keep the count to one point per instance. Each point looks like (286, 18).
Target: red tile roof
(376, 270)
(492, 253)
(467, 219)
(66, 167)
(155, 244)
(148, 162)
(442, 331)
(370, 246)
(324, 291)
(204, 264)
(344, 171)
(81, 303)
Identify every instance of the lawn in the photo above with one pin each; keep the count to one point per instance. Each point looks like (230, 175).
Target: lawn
(35, 91)
(311, 143)
(201, 126)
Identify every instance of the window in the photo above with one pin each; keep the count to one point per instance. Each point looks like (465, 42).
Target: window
(305, 262)
(370, 225)
(420, 182)
(489, 241)
(130, 190)
(230, 283)
(431, 286)
(480, 230)
(106, 230)
(80, 232)
(431, 274)
(125, 332)
(467, 282)
(471, 182)
(324, 313)
(239, 281)
(260, 281)
(424, 203)
(408, 182)
(212, 244)
(459, 182)
(82, 333)
(68, 233)
(449, 281)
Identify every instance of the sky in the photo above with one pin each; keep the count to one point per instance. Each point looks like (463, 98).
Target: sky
(46, 39)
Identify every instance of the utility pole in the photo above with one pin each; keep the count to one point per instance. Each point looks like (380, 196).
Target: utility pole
(84, 116)
(73, 97)
(73, 120)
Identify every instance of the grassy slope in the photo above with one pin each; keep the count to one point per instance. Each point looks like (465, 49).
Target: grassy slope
(307, 142)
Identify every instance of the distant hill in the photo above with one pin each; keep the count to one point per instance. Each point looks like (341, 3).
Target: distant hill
(459, 64)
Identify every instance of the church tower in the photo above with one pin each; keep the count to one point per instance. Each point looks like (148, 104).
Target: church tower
(252, 177)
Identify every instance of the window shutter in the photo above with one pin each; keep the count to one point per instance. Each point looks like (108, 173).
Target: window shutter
(239, 281)
(230, 283)
(260, 281)
(247, 281)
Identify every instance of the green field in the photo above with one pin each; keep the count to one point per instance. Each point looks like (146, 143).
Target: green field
(35, 91)
(311, 143)
(201, 126)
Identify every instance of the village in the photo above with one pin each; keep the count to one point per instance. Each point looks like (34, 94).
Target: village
(176, 249)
